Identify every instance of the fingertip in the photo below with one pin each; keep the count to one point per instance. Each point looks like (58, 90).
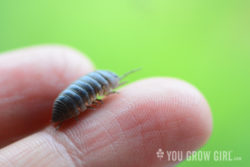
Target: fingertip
(171, 113)
(176, 102)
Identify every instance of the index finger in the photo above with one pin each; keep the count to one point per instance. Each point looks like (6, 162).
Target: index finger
(30, 80)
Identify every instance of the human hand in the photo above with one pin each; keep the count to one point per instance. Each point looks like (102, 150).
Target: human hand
(125, 131)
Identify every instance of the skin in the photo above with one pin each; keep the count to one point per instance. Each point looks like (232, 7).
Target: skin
(125, 131)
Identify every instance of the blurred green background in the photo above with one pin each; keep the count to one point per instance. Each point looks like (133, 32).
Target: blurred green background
(206, 43)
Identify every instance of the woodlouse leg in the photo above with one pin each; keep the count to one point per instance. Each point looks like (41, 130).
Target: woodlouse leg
(112, 92)
(122, 83)
(58, 125)
(77, 112)
(91, 108)
(99, 100)
(76, 118)
(95, 103)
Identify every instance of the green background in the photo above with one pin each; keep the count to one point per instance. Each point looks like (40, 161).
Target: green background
(205, 42)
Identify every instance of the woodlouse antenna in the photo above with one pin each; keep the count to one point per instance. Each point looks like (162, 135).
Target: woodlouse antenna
(130, 72)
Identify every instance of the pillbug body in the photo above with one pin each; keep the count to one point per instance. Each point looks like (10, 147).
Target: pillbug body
(82, 93)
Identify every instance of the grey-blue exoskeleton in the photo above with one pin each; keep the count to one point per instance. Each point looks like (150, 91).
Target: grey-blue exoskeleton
(83, 93)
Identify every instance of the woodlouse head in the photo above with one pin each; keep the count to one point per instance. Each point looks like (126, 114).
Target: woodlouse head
(114, 80)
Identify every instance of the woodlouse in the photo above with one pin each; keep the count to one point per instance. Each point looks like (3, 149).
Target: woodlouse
(82, 93)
